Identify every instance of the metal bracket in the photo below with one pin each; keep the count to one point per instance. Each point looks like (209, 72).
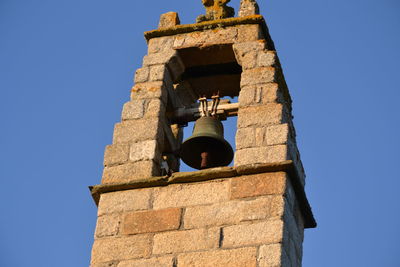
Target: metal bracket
(223, 110)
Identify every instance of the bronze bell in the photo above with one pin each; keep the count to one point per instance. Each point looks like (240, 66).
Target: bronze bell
(207, 148)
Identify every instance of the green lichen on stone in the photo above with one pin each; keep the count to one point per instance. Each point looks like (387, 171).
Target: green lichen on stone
(216, 9)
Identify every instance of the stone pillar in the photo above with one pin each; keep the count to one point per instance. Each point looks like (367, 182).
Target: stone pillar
(248, 8)
(251, 214)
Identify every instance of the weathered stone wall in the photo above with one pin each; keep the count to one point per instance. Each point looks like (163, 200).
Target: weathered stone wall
(265, 131)
(264, 120)
(144, 131)
(250, 220)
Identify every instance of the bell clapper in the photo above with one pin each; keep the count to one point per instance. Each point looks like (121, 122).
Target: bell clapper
(204, 160)
(205, 155)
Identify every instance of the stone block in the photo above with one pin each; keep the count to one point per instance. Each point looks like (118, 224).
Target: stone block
(245, 137)
(143, 108)
(267, 232)
(226, 35)
(122, 201)
(152, 262)
(270, 93)
(249, 96)
(160, 58)
(273, 183)
(160, 44)
(266, 154)
(248, 61)
(158, 73)
(272, 135)
(129, 172)
(154, 108)
(151, 221)
(278, 134)
(260, 94)
(175, 67)
(149, 90)
(259, 75)
(266, 59)
(182, 195)
(262, 116)
(242, 257)
(221, 35)
(251, 32)
(142, 75)
(107, 225)
(247, 53)
(133, 131)
(179, 41)
(133, 109)
(277, 153)
(124, 248)
(192, 39)
(116, 154)
(185, 241)
(248, 8)
(145, 150)
(169, 19)
(243, 48)
(270, 255)
(233, 212)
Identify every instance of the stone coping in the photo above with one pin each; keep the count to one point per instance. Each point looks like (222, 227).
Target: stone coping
(206, 25)
(216, 173)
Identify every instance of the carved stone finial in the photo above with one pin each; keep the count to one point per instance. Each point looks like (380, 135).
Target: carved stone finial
(248, 8)
(216, 9)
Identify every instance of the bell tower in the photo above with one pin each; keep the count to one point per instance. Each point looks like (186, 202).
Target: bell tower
(251, 214)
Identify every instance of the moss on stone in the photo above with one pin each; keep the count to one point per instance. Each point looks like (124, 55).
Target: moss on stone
(206, 25)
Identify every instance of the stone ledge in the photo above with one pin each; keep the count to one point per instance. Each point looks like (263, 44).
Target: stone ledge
(216, 173)
(206, 25)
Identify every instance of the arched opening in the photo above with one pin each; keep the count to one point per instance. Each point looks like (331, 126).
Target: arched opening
(208, 71)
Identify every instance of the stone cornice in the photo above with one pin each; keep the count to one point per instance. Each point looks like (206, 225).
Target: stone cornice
(186, 28)
(217, 173)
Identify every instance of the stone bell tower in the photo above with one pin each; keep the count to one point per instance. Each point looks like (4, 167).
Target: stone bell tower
(251, 214)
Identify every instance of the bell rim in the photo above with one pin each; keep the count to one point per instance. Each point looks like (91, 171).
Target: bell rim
(227, 145)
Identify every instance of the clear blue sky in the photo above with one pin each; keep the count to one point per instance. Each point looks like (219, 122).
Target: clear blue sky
(66, 69)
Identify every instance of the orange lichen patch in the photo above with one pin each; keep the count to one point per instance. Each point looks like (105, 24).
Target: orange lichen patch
(148, 87)
(135, 89)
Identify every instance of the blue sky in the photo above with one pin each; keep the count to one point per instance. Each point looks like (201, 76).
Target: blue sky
(66, 68)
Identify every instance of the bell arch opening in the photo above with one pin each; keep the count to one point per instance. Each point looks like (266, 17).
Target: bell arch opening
(207, 72)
